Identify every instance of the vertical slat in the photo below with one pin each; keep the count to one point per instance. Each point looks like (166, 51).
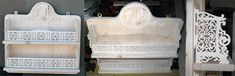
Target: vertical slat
(189, 38)
(199, 4)
(233, 41)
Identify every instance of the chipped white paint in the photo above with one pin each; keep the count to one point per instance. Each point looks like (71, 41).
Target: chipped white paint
(134, 33)
(210, 40)
(49, 35)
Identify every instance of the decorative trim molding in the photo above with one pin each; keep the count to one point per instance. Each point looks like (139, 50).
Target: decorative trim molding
(41, 36)
(134, 66)
(42, 63)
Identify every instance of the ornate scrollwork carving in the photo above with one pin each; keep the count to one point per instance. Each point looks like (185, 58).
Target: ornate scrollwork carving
(210, 39)
(135, 15)
(41, 36)
(41, 63)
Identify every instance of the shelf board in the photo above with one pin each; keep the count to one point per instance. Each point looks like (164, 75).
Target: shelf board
(134, 55)
(40, 42)
(40, 71)
(214, 67)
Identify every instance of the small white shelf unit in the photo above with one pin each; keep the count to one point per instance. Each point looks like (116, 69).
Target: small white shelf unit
(135, 41)
(42, 42)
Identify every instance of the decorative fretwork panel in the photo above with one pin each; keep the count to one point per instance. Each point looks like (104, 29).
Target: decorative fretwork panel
(210, 40)
(42, 63)
(41, 36)
(134, 66)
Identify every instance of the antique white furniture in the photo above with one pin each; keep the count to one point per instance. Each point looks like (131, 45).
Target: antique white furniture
(206, 41)
(135, 41)
(210, 40)
(42, 42)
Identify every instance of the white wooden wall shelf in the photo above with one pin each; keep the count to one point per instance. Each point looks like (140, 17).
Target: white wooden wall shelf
(135, 34)
(211, 43)
(42, 42)
(206, 41)
(210, 39)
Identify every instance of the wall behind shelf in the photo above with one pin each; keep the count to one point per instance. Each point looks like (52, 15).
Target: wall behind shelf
(75, 7)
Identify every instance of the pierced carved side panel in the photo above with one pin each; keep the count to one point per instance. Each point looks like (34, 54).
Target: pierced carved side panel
(210, 40)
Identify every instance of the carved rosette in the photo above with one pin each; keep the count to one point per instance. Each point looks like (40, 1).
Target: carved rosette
(210, 39)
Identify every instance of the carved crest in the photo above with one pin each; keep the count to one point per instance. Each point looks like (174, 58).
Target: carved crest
(42, 11)
(135, 15)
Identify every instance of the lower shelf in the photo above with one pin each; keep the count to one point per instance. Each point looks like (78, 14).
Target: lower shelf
(40, 71)
(127, 66)
(213, 67)
(42, 65)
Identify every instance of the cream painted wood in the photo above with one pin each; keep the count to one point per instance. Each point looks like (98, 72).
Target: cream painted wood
(211, 40)
(233, 43)
(42, 42)
(189, 38)
(122, 66)
(214, 67)
(134, 34)
(196, 64)
(134, 31)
